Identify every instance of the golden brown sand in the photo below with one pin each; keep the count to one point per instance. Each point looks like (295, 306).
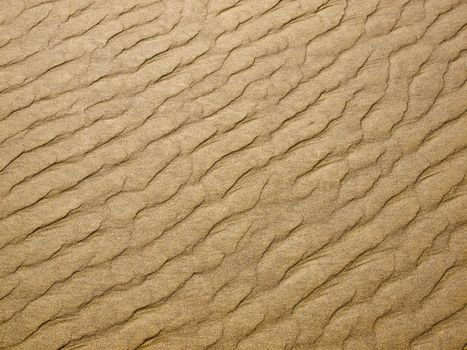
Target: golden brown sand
(233, 174)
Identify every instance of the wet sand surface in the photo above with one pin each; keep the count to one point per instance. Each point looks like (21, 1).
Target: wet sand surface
(233, 174)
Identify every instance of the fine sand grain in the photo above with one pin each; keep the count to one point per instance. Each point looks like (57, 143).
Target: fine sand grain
(233, 174)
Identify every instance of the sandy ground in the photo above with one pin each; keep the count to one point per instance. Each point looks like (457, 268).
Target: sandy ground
(233, 174)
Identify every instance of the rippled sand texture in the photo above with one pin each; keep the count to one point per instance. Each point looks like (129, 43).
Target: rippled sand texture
(233, 174)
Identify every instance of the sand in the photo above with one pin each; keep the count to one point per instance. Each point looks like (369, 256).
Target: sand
(233, 174)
